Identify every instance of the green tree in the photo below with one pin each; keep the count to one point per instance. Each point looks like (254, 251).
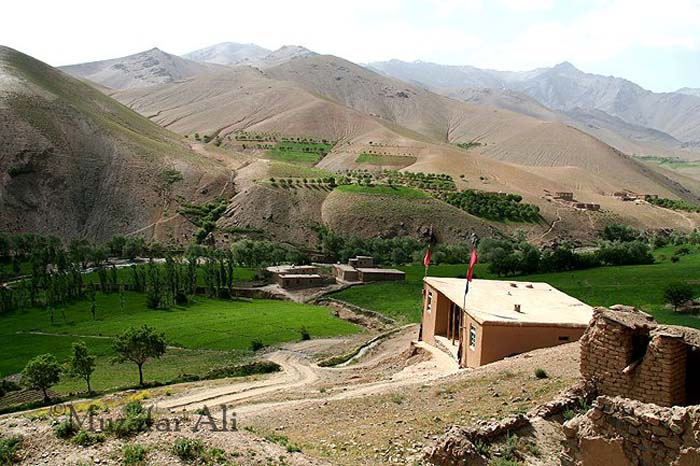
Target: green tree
(677, 293)
(138, 345)
(82, 363)
(42, 373)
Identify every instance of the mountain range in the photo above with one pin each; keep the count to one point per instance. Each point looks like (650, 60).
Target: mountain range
(167, 130)
(671, 120)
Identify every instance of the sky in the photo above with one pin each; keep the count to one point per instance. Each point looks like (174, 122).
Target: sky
(654, 43)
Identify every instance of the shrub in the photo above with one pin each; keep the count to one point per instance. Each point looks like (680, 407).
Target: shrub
(65, 429)
(305, 335)
(86, 438)
(7, 386)
(188, 450)
(133, 455)
(541, 373)
(8, 449)
(136, 419)
(678, 293)
(256, 345)
(619, 232)
(284, 441)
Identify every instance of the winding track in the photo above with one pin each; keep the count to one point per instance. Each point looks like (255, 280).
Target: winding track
(298, 372)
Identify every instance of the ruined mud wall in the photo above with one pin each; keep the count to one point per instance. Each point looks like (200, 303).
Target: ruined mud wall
(622, 432)
(608, 347)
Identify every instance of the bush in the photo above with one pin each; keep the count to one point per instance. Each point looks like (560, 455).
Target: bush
(625, 253)
(541, 373)
(65, 429)
(86, 438)
(284, 441)
(136, 419)
(619, 232)
(305, 335)
(188, 450)
(256, 345)
(8, 449)
(133, 455)
(7, 386)
(678, 293)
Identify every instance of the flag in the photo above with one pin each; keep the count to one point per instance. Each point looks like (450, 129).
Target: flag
(472, 263)
(470, 272)
(426, 259)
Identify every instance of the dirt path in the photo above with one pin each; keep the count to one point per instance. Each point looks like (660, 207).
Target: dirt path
(299, 379)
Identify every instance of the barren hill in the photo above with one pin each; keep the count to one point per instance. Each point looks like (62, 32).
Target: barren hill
(565, 88)
(228, 53)
(327, 97)
(76, 163)
(142, 69)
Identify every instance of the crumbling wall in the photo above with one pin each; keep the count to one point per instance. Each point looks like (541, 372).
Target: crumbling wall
(657, 362)
(648, 435)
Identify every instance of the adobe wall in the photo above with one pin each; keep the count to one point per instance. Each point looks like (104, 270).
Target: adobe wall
(507, 340)
(607, 349)
(435, 321)
(623, 432)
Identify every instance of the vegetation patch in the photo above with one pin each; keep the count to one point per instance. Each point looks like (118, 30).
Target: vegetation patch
(383, 190)
(493, 206)
(9, 447)
(425, 181)
(675, 204)
(468, 145)
(383, 160)
(203, 216)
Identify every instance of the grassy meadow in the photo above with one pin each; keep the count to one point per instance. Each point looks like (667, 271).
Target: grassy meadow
(638, 285)
(383, 190)
(204, 334)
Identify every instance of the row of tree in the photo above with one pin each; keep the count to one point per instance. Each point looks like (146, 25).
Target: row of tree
(136, 345)
(509, 257)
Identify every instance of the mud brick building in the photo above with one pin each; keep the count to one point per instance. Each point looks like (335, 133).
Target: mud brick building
(296, 276)
(499, 318)
(361, 269)
(626, 353)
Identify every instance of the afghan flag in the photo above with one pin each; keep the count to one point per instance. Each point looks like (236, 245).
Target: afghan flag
(470, 273)
(426, 259)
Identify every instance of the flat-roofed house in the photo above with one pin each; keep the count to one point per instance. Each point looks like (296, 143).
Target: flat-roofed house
(500, 318)
(361, 269)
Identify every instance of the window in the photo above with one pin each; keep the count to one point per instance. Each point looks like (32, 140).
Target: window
(472, 336)
(429, 302)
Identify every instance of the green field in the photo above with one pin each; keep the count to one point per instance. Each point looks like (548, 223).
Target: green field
(641, 286)
(207, 333)
(394, 160)
(290, 170)
(303, 153)
(383, 190)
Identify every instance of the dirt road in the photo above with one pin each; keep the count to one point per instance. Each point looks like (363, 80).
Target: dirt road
(299, 381)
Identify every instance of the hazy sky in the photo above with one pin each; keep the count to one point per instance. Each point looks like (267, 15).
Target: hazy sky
(654, 43)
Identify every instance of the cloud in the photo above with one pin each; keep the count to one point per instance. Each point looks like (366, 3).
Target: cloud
(526, 5)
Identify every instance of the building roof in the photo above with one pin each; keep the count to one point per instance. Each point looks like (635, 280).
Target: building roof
(292, 268)
(315, 276)
(344, 267)
(378, 270)
(493, 301)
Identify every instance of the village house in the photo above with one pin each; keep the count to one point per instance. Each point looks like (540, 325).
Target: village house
(361, 269)
(499, 319)
(626, 353)
(296, 276)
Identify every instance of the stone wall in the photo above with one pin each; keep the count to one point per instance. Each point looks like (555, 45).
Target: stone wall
(609, 346)
(622, 432)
